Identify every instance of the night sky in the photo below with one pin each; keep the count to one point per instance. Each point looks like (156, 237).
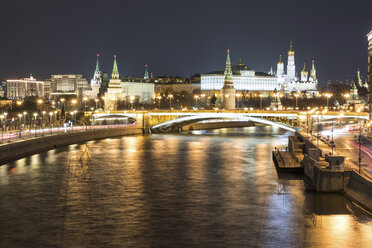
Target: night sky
(180, 38)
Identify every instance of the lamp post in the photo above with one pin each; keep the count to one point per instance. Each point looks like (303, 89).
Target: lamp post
(24, 120)
(85, 99)
(73, 102)
(96, 100)
(20, 124)
(296, 97)
(42, 121)
(317, 133)
(72, 121)
(260, 95)
(159, 98)
(170, 101)
(360, 147)
(62, 100)
(2, 130)
(327, 95)
(132, 98)
(50, 122)
(35, 115)
(196, 100)
(238, 95)
(5, 120)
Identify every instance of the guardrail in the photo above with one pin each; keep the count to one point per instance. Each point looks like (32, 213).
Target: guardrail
(17, 135)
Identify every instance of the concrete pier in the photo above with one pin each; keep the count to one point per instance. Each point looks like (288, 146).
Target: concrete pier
(328, 173)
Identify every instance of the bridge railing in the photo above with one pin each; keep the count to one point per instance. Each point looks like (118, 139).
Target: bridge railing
(14, 136)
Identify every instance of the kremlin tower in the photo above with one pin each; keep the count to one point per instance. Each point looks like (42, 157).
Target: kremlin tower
(114, 91)
(291, 67)
(96, 81)
(228, 91)
(146, 76)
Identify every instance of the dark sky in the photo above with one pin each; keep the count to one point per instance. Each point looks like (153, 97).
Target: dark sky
(181, 37)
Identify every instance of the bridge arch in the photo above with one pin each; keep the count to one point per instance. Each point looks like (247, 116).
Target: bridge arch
(175, 124)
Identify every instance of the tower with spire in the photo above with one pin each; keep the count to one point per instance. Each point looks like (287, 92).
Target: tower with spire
(115, 91)
(96, 81)
(146, 76)
(291, 67)
(228, 91)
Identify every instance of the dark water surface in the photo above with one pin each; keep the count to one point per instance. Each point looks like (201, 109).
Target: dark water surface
(208, 189)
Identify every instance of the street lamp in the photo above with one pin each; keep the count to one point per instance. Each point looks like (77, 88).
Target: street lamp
(5, 121)
(24, 119)
(170, 101)
(196, 100)
(360, 147)
(2, 130)
(19, 124)
(85, 99)
(296, 97)
(131, 98)
(35, 115)
(73, 101)
(328, 95)
(50, 121)
(96, 100)
(72, 120)
(42, 121)
(260, 95)
(159, 98)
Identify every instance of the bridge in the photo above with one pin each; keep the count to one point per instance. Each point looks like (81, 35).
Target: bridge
(176, 120)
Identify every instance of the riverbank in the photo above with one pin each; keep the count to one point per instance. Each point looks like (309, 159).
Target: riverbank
(22, 148)
(327, 173)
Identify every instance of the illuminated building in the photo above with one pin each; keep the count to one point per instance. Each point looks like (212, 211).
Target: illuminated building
(246, 79)
(21, 88)
(142, 89)
(67, 84)
(228, 91)
(114, 91)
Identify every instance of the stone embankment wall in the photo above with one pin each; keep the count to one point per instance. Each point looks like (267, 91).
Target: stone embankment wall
(359, 189)
(325, 176)
(16, 150)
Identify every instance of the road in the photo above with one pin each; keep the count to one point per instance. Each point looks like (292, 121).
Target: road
(346, 146)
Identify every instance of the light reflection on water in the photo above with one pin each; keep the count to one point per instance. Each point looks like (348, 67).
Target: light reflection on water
(208, 189)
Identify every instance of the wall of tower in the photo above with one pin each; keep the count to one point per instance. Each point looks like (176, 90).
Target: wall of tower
(228, 98)
(291, 68)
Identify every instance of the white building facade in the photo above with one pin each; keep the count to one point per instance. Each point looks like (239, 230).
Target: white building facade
(245, 79)
(21, 88)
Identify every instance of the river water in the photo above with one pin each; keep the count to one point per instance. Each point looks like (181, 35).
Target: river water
(204, 189)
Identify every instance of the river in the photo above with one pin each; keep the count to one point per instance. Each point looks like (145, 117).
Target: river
(201, 189)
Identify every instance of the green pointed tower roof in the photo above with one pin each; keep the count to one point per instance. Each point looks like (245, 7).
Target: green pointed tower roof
(97, 64)
(228, 72)
(146, 73)
(115, 71)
